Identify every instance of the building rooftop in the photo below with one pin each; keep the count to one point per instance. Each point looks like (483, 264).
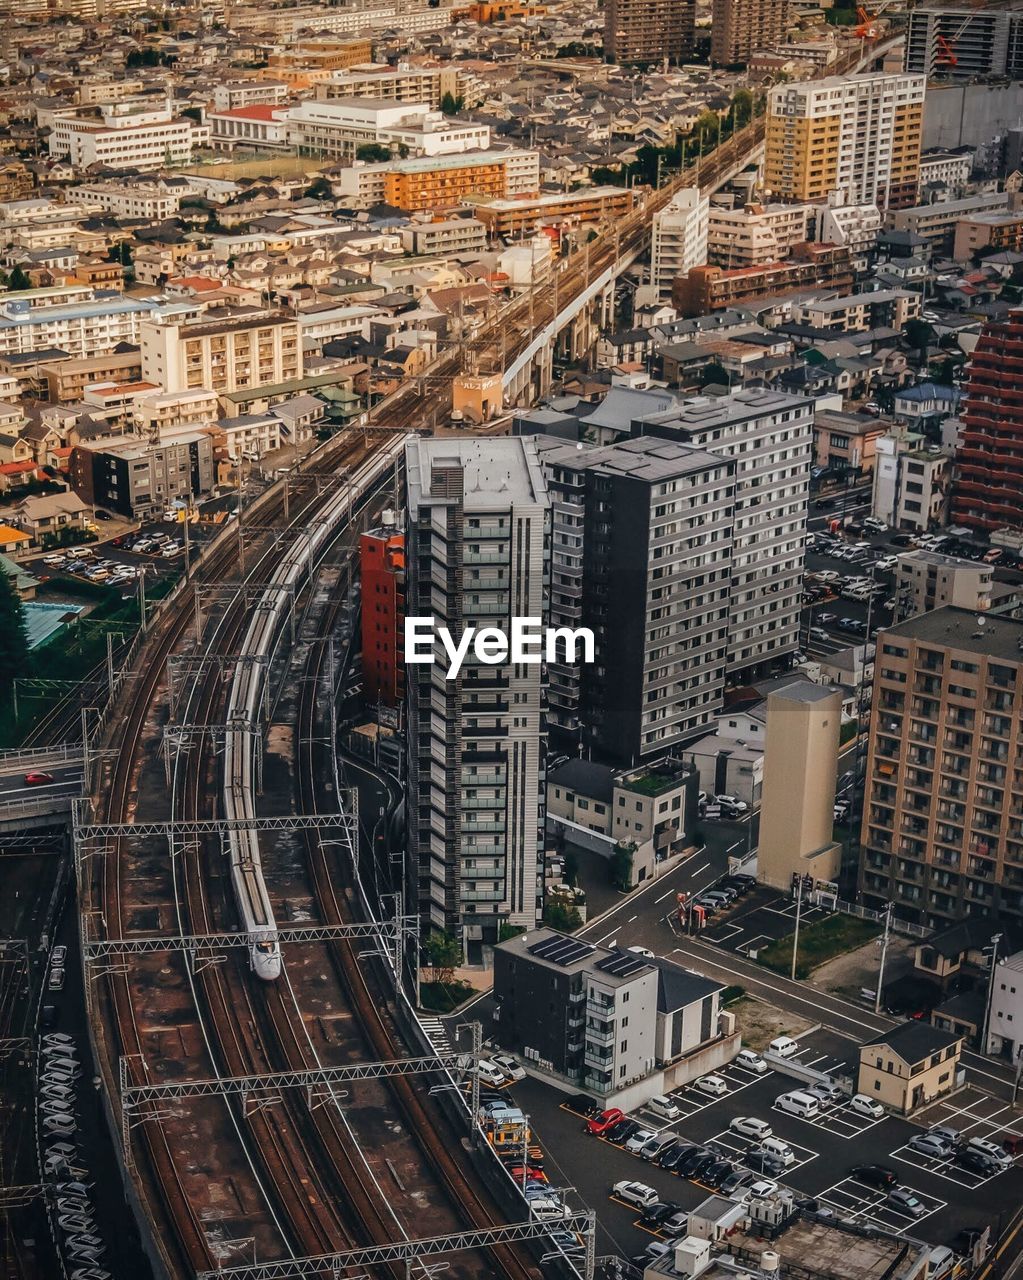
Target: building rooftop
(952, 628)
(596, 781)
(497, 472)
(914, 1041)
(647, 458)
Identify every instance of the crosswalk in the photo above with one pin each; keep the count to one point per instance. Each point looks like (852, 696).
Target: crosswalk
(438, 1034)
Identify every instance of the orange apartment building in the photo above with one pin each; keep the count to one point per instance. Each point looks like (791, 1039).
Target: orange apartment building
(561, 209)
(811, 266)
(417, 188)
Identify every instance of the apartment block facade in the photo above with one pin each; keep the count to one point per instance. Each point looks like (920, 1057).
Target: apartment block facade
(857, 134)
(641, 553)
(808, 266)
(740, 28)
(942, 835)
(477, 527)
(138, 478)
(233, 352)
(679, 238)
(382, 574)
(756, 233)
(769, 437)
(649, 30)
(83, 329)
(136, 140)
(988, 489)
(425, 183)
(964, 42)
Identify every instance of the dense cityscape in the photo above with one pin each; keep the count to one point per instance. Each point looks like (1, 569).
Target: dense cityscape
(511, 640)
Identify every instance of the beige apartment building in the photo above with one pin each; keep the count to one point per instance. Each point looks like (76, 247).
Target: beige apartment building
(926, 580)
(942, 835)
(235, 350)
(403, 83)
(797, 807)
(757, 233)
(742, 27)
(857, 134)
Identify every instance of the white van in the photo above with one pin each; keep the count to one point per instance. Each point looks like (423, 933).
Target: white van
(490, 1073)
(783, 1046)
(940, 1261)
(750, 1061)
(798, 1103)
(548, 1209)
(778, 1149)
(645, 952)
(664, 1107)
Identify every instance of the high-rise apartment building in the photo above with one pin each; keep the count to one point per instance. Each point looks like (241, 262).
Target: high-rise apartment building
(768, 435)
(478, 516)
(988, 488)
(856, 134)
(965, 42)
(649, 30)
(678, 238)
(942, 835)
(755, 234)
(741, 27)
(641, 553)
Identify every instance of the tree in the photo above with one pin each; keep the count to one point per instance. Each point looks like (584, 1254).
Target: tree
(372, 152)
(121, 253)
(560, 915)
(506, 931)
(451, 105)
(620, 866)
(443, 955)
(319, 189)
(13, 639)
(918, 333)
(742, 108)
(18, 280)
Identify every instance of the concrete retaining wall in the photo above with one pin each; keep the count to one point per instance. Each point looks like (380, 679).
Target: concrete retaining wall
(958, 115)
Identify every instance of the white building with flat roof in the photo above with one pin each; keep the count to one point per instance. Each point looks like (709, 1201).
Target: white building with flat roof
(679, 238)
(151, 139)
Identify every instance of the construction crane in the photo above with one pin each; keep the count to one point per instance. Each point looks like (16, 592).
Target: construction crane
(867, 30)
(946, 56)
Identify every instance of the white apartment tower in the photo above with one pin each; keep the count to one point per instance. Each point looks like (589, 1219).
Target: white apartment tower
(678, 238)
(477, 529)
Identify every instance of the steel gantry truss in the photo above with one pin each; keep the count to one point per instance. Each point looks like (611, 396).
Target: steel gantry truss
(253, 593)
(183, 668)
(263, 1089)
(85, 831)
(409, 1251)
(179, 737)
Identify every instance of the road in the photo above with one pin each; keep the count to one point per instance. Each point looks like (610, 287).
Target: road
(67, 781)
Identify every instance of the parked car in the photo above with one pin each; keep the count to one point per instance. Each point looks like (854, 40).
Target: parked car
(761, 1162)
(826, 1093)
(905, 1200)
(952, 1136)
(712, 1084)
(656, 1213)
(929, 1145)
(638, 1140)
(716, 1173)
(603, 1120)
(750, 1061)
(620, 1133)
(660, 1142)
(736, 1181)
(733, 801)
(976, 1162)
(677, 1224)
(672, 1159)
(751, 1127)
(697, 1157)
(55, 981)
(636, 1193)
(783, 1046)
(874, 1175)
(866, 1106)
(993, 1150)
(694, 1169)
(759, 1189)
(509, 1066)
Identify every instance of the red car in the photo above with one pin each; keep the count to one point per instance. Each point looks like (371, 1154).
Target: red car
(603, 1120)
(517, 1171)
(38, 779)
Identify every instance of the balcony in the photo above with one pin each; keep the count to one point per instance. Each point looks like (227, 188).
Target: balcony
(600, 1009)
(600, 1035)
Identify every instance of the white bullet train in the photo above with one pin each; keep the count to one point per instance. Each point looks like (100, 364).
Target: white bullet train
(245, 701)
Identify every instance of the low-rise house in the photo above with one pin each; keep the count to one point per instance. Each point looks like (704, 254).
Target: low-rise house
(47, 515)
(909, 1066)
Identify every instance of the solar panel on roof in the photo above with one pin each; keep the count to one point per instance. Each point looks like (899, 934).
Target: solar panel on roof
(620, 965)
(561, 951)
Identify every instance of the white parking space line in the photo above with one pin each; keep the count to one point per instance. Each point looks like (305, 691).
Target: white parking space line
(863, 1204)
(735, 1145)
(936, 1168)
(692, 1101)
(753, 942)
(723, 932)
(845, 1123)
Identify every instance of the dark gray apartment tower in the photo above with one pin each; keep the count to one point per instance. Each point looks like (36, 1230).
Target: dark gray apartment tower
(641, 550)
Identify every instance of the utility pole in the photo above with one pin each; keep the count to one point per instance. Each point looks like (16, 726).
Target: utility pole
(884, 957)
(1019, 1071)
(795, 936)
(995, 940)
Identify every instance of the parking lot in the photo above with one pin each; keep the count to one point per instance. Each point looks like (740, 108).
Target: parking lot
(120, 562)
(826, 1149)
(758, 919)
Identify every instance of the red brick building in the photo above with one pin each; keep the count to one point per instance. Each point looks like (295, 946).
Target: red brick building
(382, 562)
(988, 489)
